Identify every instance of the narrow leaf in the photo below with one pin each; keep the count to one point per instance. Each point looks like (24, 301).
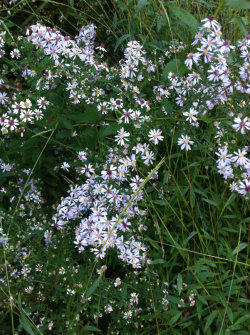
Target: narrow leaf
(240, 247)
(92, 329)
(179, 283)
(210, 319)
(93, 287)
(120, 40)
(158, 261)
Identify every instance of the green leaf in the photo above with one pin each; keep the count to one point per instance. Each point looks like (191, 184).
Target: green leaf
(158, 261)
(179, 283)
(106, 131)
(239, 21)
(176, 66)
(210, 202)
(188, 19)
(239, 248)
(115, 21)
(90, 116)
(242, 319)
(175, 317)
(238, 4)
(159, 23)
(230, 315)
(189, 237)
(93, 287)
(141, 4)
(121, 5)
(92, 329)
(24, 323)
(67, 124)
(210, 319)
(160, 202)
(153, 243)
(202, 299)
(120, 40)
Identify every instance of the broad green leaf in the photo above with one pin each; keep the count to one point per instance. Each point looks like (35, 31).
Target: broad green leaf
(107, 131)
(187, 18)
(239, 21)
(120, 40)
(176, 66)
(67, 124)
(238, 4)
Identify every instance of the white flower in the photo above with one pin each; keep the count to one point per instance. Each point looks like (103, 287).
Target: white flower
(224, 159)
(244, 187)
(70, 292)
(210, 23)
(65, 166)
(241, 124)
(184, 142)
(191, 115)
(42, 103)
(122, 137)
(240, 158)
(192, 58)
(155, 136)
(15, 53)
(87, 170)
(148, 157)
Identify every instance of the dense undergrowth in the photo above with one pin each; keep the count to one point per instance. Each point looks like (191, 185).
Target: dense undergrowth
(124, 167)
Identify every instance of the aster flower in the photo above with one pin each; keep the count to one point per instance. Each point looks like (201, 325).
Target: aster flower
(155, 136)
(148, 157)
(191, 59)
(15, 54)
(65, 166)
(122, 137)
(224, 157)
(184, 142)
(3, 98)
(244, 187)
(210, 23)
(240, 158)
(241, 125)
(191, 115)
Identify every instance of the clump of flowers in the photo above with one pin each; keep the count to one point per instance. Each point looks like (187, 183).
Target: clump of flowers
(95, 239)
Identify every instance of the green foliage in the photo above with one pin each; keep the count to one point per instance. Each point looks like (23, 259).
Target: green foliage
(197, 231)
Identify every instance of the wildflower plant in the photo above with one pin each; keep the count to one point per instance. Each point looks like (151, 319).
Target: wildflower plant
(103, 130)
